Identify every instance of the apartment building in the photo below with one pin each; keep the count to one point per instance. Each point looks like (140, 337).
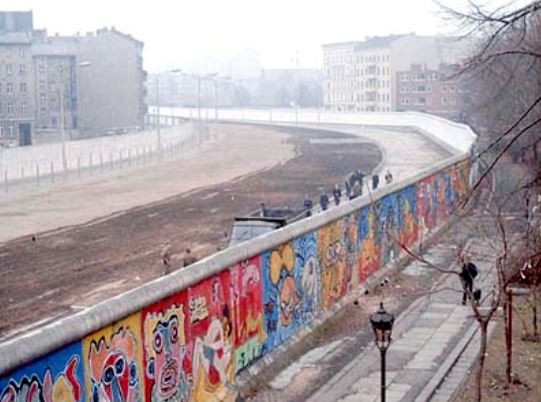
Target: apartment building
(436, 91)
(16, 79)
(361, 76)
(55, 76)
(111, 82)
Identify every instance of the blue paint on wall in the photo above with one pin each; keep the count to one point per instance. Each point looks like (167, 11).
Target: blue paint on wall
(58, 373)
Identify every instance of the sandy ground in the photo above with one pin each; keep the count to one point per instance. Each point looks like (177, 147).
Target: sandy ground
(55, 273)
(233, 152)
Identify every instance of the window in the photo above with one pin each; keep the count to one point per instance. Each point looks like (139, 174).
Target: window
(452, 88)
(41, 69)
(42, 97)
(23, 87)
(444, 88)
(22, 52)
(22, 68)
(8, 69)
(24, 108)
(10, 107)
(444, 100)
(9, 88)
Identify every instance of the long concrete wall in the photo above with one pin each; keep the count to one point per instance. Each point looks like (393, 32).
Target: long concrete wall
(188, 335)
(456, 135)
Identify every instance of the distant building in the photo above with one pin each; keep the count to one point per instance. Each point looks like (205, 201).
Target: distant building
(435, 91)
(17, 107)
(286, 87)
(112, 92)
(55, 77)
(96, 81)
(361, 75)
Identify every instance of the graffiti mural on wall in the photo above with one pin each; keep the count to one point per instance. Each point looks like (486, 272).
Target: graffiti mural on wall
(112, 361)
(190, 346)
(247, 312)
(369, 241)
(407, 217)
(332, 260)
(165, 357)
(210, 342)
(57, 377)
(351, 247)
(460, 179)
(388, 227)
(291, 288)
(444, 195)
(426, 200)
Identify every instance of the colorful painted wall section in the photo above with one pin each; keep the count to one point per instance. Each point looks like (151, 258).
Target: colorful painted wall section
(55, 377)
(191, 345)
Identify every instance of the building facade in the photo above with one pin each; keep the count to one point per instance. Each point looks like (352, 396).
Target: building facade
(111, 82)
(434, 91)
(361, 76)
(17, 107)
(85, 85)
(55, 76)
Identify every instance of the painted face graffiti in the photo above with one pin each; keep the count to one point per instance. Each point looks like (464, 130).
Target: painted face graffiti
(113, 369)
(289, 300)
(165, 350)
(65, 388)
(212, 362)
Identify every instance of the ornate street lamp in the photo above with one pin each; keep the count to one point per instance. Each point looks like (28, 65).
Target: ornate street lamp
(382, 324)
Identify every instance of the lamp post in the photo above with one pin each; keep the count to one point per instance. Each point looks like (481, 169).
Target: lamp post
(158, 128)
(62, 115)
(382, 324)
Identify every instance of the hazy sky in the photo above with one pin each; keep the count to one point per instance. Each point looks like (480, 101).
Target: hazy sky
(178, 31)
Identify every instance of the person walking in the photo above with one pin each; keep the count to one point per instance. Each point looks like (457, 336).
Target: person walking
(468, 272)
(375, 181)
(388, 177)
(324, 201)
(337, 194)
(348, 189)
(308, 205)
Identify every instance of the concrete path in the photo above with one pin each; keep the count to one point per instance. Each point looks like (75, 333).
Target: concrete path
(406, 152)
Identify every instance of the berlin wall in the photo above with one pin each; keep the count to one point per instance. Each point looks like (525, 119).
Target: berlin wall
(188, 335)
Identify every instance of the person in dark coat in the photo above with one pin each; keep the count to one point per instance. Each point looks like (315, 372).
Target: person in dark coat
(324, 201)
(308, 205)
(375, 181)
(348, 189)
(468, 272)
(337, 194)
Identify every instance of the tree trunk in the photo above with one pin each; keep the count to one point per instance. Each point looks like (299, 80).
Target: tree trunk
(508, 336)
(534, 310)
(483, 325)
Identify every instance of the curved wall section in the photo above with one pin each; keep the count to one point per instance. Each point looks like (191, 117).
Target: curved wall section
(459, 137)
(187, 336)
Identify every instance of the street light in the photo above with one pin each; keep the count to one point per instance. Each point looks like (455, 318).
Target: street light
(216, 81)
(62, 115)
(382, 324)
(158, 129)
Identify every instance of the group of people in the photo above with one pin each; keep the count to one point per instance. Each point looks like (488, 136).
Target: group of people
(353, 186)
